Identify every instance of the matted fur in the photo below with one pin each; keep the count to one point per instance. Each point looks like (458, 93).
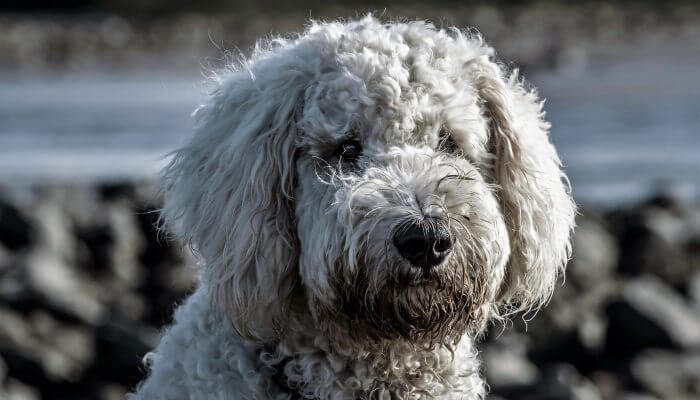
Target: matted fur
(302, 292)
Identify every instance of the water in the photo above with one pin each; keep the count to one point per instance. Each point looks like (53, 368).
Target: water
(627, 128)
(622, 127)
(82, 128)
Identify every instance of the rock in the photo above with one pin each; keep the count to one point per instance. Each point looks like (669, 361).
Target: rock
(158, 249)
(636, 396)
(16, 231)
(694, 290)
(62, 351)
(69, 349)
(97, 284)
(564, 382)
(111, 191)
(124, 343)
(113, 392)
(667, 374)
(16, 390)
(558, 382)
(651, 314)
(652, 240)
(595, 253)
(127, 246)
(94, 245)
(7, 259)
(506, 363)
(572, 328)
(3, 371)
(54, 228)
(607, 382)
(66, 287)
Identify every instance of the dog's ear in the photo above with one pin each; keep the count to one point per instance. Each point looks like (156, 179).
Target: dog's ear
(532, 188)
(229, 192)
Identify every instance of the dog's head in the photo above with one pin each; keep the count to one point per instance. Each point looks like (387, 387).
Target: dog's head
(393, 176)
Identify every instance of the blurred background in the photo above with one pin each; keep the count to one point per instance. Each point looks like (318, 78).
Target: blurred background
(95, 93)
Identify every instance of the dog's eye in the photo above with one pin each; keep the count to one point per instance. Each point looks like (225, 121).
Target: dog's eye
(349, 151)
(445, 142)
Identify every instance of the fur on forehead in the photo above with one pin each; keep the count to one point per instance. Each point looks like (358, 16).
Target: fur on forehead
(397, 80)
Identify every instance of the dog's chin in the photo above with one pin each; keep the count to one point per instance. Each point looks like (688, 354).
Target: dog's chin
(425, 307)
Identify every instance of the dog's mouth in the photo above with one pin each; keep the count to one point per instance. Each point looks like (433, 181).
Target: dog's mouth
(421, 313)
(421, 305)
(423, 277)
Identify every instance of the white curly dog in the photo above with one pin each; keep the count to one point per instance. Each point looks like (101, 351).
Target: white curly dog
(364, 198)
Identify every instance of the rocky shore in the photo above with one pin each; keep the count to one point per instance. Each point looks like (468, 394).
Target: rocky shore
(87, 282)
(625, 324)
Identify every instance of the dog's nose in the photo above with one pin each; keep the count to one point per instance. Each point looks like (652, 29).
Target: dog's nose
(425, 244)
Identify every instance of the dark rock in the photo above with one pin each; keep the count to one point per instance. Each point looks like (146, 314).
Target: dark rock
(110, 191)
(650, 314)
(3, 370)
(664, 199)
(124, 344)
(652, 240)
(94, 246)
(572, 328)
(24, 369)
(16, 230)
(166, 278)
(158, 249)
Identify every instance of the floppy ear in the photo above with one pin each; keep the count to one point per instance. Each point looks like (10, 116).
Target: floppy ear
(533, 189)
(229, 192)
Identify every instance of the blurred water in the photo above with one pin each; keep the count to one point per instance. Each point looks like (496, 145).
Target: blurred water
(84, 128)
(622, 127)
(629, 127)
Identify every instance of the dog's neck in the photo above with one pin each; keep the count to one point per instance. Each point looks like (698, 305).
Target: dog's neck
(306, 364)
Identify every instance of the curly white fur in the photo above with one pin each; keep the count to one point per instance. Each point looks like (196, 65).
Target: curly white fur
(302, 292)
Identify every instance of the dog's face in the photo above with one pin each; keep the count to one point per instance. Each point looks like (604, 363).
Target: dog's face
(389, 175)
(399, 231)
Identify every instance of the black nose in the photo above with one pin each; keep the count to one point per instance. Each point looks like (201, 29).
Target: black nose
(425, 244)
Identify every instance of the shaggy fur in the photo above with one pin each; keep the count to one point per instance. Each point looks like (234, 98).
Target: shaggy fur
(308, 158)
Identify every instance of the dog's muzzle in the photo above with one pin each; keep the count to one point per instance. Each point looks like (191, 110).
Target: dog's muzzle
(425, 244)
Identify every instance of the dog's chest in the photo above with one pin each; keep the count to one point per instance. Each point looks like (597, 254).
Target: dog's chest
(400, 373)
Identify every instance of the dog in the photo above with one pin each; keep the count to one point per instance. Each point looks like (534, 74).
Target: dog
(363, 199)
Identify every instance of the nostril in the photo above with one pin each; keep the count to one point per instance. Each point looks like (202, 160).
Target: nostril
(414, 243)
(442, 244)
(410, 244)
